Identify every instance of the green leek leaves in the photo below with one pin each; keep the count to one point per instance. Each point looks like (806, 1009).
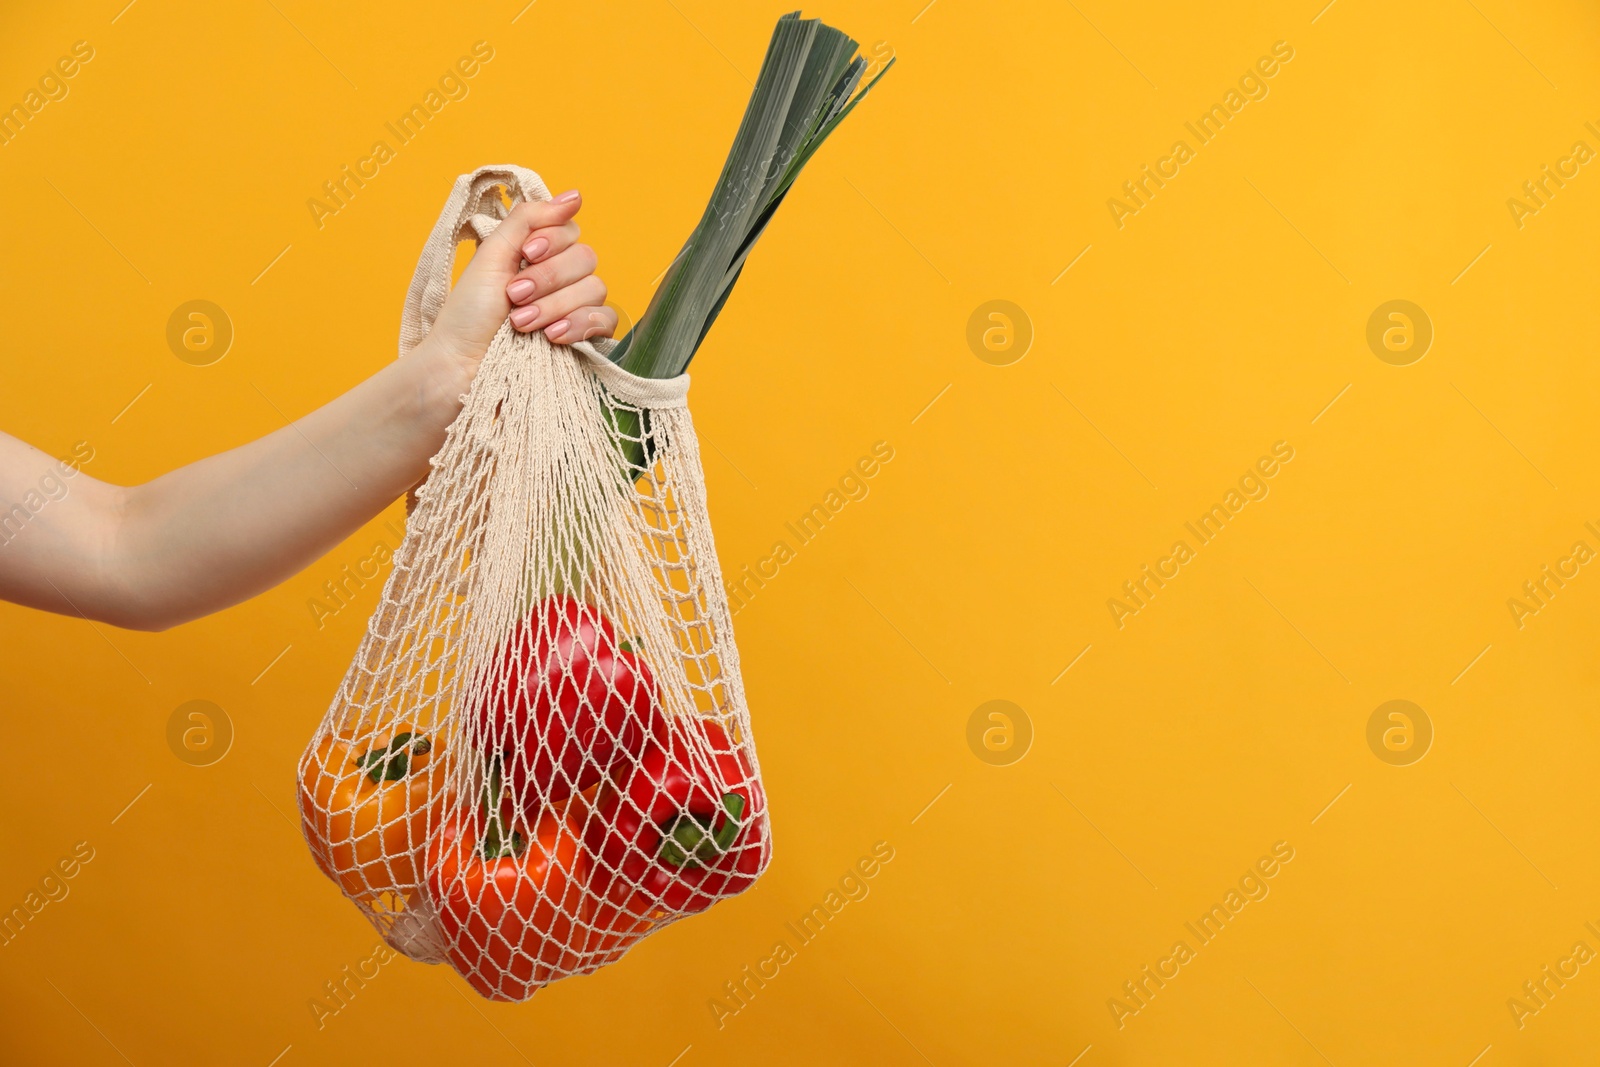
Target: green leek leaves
(807, 86)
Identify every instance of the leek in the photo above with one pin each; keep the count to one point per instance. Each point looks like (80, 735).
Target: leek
(807, 85)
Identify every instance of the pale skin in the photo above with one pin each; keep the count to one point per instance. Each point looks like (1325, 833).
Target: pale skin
(218, 531)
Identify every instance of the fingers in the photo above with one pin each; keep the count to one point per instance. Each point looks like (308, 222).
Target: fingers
(502, 250)
(581, 324)
(548, 275)
(587, 293)
(546, 242)
(556, 291)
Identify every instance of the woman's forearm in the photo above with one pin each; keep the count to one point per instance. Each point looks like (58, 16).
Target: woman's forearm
(223, 529)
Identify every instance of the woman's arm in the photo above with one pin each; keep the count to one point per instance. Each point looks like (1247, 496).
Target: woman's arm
(225, 528)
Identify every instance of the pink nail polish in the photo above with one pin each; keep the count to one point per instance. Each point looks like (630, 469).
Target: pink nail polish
(556, 329)
(567, 197)
(535, 248)
(520, 290)
(522, 318)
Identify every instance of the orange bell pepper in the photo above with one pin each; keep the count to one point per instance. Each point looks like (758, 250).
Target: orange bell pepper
(510, 898)
(364, 805)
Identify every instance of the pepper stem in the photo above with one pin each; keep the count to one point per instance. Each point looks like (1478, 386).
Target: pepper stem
(690, 841)
(499, 845)
(392, 762)
(496, 843)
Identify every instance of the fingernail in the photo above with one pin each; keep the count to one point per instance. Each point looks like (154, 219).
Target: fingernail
(567, 197)
(522, 318)
(520, 290)
(556, 329)
(535, 248)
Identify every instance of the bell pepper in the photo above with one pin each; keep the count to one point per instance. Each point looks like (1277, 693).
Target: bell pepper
(564, 701)
(364, 798)
(686, 827)
(509, 896)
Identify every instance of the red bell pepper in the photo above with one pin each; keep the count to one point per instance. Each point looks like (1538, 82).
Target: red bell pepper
(686, 827)
(565, 702)
(509, 902)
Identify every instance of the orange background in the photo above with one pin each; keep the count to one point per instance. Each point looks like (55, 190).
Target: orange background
(1229, 714)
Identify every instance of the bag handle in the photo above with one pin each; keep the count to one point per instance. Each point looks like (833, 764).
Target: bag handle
(474, 206)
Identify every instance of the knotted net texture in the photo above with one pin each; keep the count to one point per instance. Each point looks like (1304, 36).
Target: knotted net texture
(541, 752)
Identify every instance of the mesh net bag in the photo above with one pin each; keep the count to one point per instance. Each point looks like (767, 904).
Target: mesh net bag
(541, 751)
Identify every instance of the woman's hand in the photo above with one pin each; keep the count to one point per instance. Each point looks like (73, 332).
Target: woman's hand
(556, 291)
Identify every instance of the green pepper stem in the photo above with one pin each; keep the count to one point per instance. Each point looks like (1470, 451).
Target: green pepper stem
(392, 762)
(498, 845)
(691, 842)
